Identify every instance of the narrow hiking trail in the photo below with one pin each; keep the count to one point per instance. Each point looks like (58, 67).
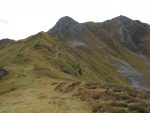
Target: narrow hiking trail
(57, 51)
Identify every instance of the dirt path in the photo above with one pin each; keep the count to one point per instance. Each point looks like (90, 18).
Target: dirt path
(57, 51)
(28, 70)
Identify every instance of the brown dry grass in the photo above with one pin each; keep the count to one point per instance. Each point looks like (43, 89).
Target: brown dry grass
(110, 98)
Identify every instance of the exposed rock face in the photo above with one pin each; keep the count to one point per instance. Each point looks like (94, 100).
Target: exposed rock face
(123, 22)
(76, 43)
(3, 73)
(129, 72)
(131, 32)
(66, 27)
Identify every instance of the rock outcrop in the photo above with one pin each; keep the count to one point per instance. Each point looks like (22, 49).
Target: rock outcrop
(3, 73)
(66, 27)
(130, 32)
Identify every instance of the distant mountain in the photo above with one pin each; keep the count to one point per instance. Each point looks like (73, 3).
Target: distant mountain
(5, 42)
(107, 60)
(132, 33)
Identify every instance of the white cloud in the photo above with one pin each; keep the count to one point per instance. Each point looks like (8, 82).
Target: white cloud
(26, 17)
(3, 21)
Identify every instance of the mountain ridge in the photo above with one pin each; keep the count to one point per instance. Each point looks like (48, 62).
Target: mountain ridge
(78, 68)
(130, 31)
(68, 44)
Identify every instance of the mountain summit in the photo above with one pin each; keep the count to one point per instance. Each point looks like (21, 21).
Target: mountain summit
(130, 32)
(66, 27)
(123, 18)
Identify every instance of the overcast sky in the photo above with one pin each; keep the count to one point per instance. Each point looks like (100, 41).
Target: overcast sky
(22, 18)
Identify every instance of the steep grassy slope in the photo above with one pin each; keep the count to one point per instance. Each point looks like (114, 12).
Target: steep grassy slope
(108, 53)
(42, 51)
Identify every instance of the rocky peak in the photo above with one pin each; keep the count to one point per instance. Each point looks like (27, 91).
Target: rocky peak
(123, 19)
(66, 27)
(131, 32)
